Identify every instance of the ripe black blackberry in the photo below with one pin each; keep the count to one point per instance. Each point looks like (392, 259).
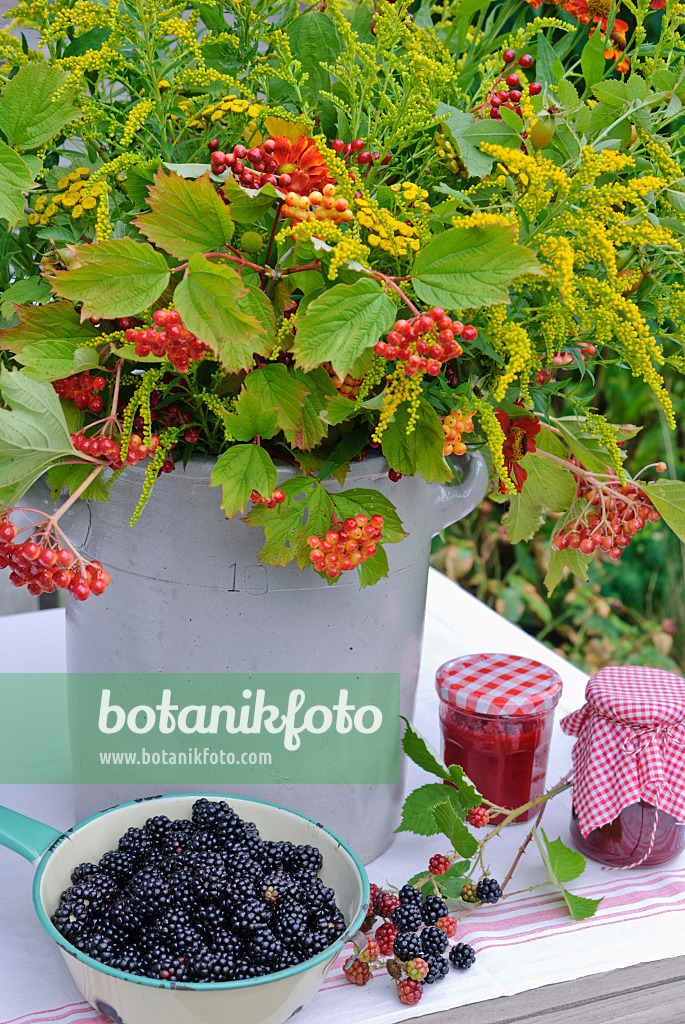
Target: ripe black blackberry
(407, 945)
(407, 917)
(249, 917)
(271, 854)
(119, 864)
(433, 909)
(433, 940)
(438, 967)
(462, 956)
(157, 826)
(82, 872)
(290, 929)
(303, 858)
(100, 947)
(130, 960)
(264, 948)
(71, 921)
(137, 842)
(409, 896)
(488, 890)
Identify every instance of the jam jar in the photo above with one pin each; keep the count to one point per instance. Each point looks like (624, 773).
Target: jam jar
(629, 767)
(497, 713)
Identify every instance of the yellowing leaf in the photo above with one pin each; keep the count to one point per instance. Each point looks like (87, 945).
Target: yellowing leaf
(187, 217)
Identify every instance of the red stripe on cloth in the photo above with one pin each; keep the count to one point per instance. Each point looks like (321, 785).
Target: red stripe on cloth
(38, 1016)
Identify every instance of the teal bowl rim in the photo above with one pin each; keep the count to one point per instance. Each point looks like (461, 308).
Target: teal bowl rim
(324, 956)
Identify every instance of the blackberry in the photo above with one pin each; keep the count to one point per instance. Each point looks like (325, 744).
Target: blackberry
(462, 956)
(119, 864)
(125, 917)
(265, 948)
(71, 922)
(156, 827)
(204, 840)
(433, 940)
(224, 941)
(99, 890)
(313, 943)
(201, 964)
(409, 896)
(209, 917)
(238, 889)
(438, 967)
(488, 890)
(239, 862)
(406, 946)
(303, 858)
(249, 917)
(290, 929)
(137, 842)
(130, 960)
(407, 917)
(433, 909)
(100, 947)
(82, 872)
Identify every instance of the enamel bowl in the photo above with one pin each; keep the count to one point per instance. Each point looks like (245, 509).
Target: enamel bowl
(127, 999)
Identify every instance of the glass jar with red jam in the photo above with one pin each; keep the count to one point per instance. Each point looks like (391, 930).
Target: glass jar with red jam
(497, 713)
(629, 767)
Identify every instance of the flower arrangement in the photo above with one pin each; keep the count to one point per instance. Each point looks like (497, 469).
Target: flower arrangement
(256, 232)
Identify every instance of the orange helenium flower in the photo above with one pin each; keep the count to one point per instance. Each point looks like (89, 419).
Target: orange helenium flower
(303, 162)
(519, 441)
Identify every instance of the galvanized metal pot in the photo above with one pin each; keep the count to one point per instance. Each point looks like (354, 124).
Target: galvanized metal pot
(188, 593)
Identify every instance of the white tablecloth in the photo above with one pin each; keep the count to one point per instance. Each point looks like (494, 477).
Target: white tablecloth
(523, 942)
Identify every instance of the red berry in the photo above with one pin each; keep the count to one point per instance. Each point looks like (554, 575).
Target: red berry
(394, 475)
(357, 972)
(416, 968)
(534, 89)
(448, 925)
(469, 333)
(385, 937)
(409, 991)
(357, 145)
(371, 951)
(513, 81)
(438, 864)
(385, 903)
(526, 61)
(509, 56)
(479, 816)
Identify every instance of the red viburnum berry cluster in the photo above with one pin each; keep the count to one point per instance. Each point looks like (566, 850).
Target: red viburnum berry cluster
(425, 342)
(323, 205)
(43, 565)
(276, 498)
(81, 389)
(479, 816)
(263, 165)
(343, 549)
(173, 340)
(356, 151)
(612, 517)
(105, 447)
(510, 96)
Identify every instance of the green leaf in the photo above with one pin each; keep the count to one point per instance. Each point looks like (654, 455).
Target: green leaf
(94, 39)
(454, 828)
(469, 134)
(613, 93)
(116, 278)
(258, 305)
(570, 558)
(422, 753)
(346, 449)
(16, 181)
(511, 118)
(374, 568)
(187, 217)
(592, 61)
(314, 40)
(239, 471)
(359, 499)
(276, 387)
(586, 449)
(471, 266)
(28, 289)
(284, 532)
(420, 450)
(548, 487)
(33, 433)
(669, 498)
(453, 881)
(417, 811)
(246, 207)
(524, 515)
(341, 324)
(56, 322)
(563, 865)
(29, 114)
(207, 300)
(72, 476)
(139, 180)
(568, 94)
(54, 360)
(338, 409)
(312, 428)
(468, 794)
(250, 418)
(546, 61)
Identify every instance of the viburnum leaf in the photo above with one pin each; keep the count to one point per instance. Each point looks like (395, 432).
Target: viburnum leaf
(250, 418)
(258, 305)
(570, 558)
(29, 113)
(187, 216)
(16, 181)
(341, 324)
(54, 360)
(669, 498)
(72, 476)
(33, 433)
(452, 826)
(112, 279)
(55, 322)
(312, 428)
(374, 568)
(347, 448)
(276, 387)
(338, 409)
(587, 449)
(25, 290)
(284, 532)
(422, 753)
(417, 811)
(362, 500)
(468, 794)
(471, 266)
(247, 205)
(419, 450)
(563, 865)
(208, 301)
(239, 471)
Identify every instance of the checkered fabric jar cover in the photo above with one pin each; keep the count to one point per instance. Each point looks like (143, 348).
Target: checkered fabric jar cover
(498, 684)
(630, 746)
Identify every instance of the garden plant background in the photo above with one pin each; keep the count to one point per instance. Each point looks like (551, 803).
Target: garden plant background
(515, 167)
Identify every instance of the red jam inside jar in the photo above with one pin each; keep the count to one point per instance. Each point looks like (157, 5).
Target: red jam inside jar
(503, 750)
(625, 840)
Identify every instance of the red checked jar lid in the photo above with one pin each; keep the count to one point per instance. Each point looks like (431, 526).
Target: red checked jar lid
(629, 766)
(497, 713)
(498, 684)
